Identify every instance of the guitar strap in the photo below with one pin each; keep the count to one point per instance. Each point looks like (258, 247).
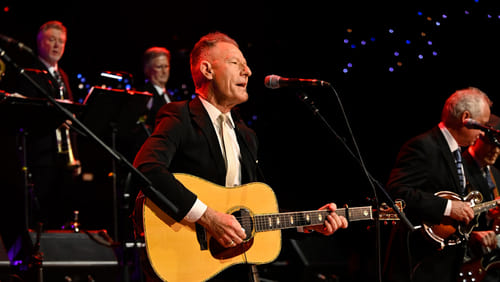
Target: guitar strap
(495, 189)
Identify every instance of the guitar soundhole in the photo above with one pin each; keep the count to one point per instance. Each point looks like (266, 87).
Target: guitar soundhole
(246, 222)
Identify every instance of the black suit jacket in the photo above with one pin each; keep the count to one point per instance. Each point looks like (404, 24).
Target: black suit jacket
(158, 102)
(423, 167)
(42, 150)
(185, 140)
(40, 74)
(475, 176)
(477, 182)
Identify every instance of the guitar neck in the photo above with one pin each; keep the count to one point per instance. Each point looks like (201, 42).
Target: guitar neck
(269, 222)
(482, 207)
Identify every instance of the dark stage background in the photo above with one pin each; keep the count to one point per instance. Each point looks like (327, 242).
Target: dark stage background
(393, 64)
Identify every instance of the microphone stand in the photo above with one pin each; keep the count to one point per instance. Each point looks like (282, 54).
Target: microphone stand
(37, 256)
(373, 182)
(119, 158)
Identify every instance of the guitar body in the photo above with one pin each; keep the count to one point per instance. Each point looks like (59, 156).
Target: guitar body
(173, 248)
(476, 270)
(472, 271)
(450, 232)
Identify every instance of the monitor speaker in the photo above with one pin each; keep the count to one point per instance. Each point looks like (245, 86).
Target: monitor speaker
(70, 256)
(4, 262)
(320, 258)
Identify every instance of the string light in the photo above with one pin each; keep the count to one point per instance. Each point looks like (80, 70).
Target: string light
(405, 44)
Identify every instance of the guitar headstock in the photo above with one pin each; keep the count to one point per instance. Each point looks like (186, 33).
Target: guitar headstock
(387, 213)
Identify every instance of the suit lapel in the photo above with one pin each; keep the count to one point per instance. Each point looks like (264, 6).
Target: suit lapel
(448, 156)
(248, 158)
(201, 118)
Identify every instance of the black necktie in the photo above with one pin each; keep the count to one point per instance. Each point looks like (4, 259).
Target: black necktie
(460, 171)
(61, 85)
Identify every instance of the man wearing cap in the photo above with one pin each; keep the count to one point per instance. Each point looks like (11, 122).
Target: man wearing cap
(479, 159)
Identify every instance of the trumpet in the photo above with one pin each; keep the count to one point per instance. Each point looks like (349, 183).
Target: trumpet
(2, 69)
(65, 147)
(63, 137)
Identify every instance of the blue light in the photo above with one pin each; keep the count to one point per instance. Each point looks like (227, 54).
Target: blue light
(391, 30)
(419, 13)
(408, 42)
(396, 53)
(391, 69)
(349, 65)
(429, 43)
(363, 42)
(372, 39)
(353, 46)
(420, 56)
(345, 70)
(79, 75)
(434, 53)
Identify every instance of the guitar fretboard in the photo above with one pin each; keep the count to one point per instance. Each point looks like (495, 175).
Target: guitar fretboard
(268, 222)
(482, 207)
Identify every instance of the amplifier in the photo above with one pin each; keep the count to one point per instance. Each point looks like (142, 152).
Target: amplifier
(70, 256)
(4, 262)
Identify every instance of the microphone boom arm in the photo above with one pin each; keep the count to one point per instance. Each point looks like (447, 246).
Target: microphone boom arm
(304, 98)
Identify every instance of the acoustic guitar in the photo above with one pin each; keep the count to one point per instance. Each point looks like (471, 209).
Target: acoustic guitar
(182, 251)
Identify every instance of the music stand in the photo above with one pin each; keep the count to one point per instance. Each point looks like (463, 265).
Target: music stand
(114, 108)
(83, 129)
(36, 115)
(31, 116)
(112, 112)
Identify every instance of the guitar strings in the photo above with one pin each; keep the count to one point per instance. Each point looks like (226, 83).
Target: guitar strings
(264, 222)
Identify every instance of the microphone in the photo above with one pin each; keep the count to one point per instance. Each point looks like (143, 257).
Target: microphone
(275, 81)
(474, 124)
(12, 41)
